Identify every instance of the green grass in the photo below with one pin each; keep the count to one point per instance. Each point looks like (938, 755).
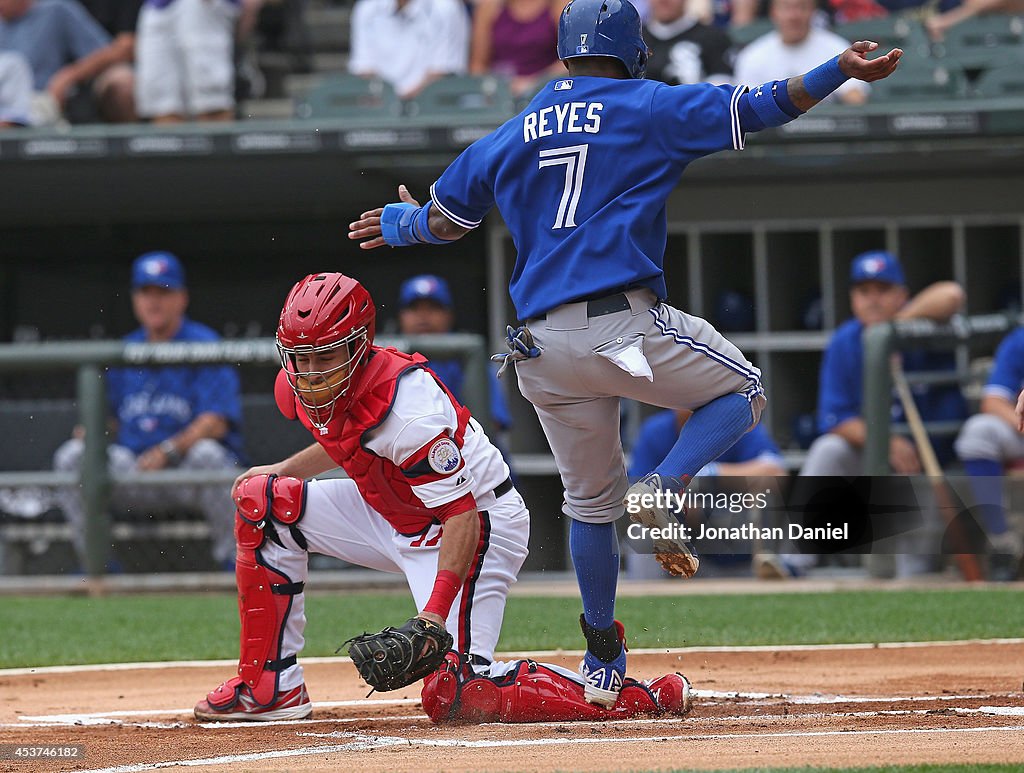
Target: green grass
(40, 631)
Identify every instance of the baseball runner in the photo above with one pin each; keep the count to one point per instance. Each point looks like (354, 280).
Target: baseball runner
(581, 177)
(427, 496)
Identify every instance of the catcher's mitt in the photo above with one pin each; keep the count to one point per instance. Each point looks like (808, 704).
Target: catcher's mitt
(397, 657)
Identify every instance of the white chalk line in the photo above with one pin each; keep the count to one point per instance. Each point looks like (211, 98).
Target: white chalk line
(361, 742)
(535, 655)
(110, 719)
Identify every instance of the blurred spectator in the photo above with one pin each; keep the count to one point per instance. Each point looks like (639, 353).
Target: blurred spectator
(517, 39)
(184, 53)
(846, 11)
(683, 48)
(65, 47)
(988, 441)
(167, 417)
(425, 307)
(736, 13)
(878, 293)
(795, 47)
(409, 43)
(754, 456)
(15, 90)
(115, 86)
(939, 24)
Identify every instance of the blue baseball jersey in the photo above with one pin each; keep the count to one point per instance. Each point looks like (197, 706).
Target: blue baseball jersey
(1007, 376)
(840, 393)
(152, 404)
(450, 372)
(581, 177)
(660, 432)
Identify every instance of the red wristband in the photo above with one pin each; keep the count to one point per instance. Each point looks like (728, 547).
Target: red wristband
(446, 588)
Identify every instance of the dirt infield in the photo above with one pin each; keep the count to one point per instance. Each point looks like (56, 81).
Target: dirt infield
(755, 707)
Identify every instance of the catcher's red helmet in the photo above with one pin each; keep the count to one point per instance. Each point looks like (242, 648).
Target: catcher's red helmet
(324, 336)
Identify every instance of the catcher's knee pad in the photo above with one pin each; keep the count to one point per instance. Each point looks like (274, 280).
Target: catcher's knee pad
(264, 593)
(531, 692)
(268, 496)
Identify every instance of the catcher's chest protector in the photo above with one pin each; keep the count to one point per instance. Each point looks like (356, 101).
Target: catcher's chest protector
(381, 482)
(530, 692)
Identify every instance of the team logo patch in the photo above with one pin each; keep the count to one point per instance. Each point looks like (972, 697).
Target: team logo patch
(563, 85)
(443, 457)
(873, 266)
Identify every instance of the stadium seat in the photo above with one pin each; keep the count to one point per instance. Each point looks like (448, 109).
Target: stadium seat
(741, 36)
(889, 32)
(349, 96)
(1001, 82)
(919, 82)
(530, 92)
(478, 96)
(984, 42)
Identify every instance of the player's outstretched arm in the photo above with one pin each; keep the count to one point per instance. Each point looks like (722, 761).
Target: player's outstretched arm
(406, 223)
(805, 91)
(778, 102)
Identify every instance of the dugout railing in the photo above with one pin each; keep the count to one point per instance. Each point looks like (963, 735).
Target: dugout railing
(90, 358)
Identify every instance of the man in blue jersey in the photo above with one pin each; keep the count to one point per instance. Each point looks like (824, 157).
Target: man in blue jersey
(581, 177)
(991, 439)
(878, 294)
(168, 417)
(425, 307)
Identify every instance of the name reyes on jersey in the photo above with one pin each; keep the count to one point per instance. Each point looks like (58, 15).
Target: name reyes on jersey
(568, 118)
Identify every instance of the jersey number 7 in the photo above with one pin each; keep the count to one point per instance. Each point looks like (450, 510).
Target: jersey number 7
(574, 157)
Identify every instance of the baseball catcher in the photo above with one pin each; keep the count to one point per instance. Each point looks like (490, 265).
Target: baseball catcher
(427, 496)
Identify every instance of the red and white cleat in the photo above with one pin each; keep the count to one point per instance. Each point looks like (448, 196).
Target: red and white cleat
(233, 701)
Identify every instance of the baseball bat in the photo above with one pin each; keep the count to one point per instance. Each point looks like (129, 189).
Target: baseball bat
(966, 562)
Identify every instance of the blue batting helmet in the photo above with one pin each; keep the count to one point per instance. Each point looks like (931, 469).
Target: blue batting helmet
(603, 28)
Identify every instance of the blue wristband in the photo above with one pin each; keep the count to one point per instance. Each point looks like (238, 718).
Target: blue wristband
(764, 103)
(421, 226)
(824, 79)
(396, 225)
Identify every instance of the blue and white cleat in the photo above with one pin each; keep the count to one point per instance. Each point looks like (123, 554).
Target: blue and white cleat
(603, 678)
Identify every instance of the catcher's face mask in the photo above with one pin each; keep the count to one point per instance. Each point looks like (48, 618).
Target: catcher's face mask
(321, 375)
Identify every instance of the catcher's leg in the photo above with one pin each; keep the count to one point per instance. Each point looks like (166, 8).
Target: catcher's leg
(526, 691)
(269, 683)
(335, 521)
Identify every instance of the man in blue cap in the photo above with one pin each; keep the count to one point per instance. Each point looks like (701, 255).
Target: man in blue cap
(425, 307)
(186, 417)
(878, 293)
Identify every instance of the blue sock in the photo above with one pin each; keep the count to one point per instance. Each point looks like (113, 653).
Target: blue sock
(709, 433)
(594, 548)
(987, 487)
